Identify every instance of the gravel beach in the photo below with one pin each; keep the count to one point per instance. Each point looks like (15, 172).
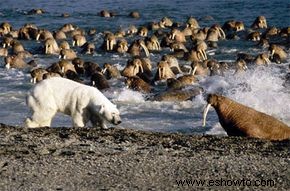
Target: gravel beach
(125, 159)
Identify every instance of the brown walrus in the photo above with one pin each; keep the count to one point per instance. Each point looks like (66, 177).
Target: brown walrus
(137, 84)
(240, 120)
(178, 95)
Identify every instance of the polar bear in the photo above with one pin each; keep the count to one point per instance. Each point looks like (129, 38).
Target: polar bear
(83, 103)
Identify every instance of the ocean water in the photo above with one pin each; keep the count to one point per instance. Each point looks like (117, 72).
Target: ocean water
(259, 87)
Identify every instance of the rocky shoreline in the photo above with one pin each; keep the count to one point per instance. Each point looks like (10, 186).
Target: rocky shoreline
(126, 159)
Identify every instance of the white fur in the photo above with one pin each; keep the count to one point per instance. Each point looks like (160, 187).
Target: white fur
(83, 103)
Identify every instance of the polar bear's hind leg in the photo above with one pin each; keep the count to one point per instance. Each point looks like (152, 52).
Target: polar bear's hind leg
(40, 118)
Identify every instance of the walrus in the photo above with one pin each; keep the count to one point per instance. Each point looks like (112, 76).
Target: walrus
(88, 48)
(110, 71)
(37, 75)
(68, 54)
(233, 25)
(35, 12)
(109, 42)
(177, 35)
(132, 68)
(195, 56)
(137, 84)
(106, 13)
(241, 66)
(6, 27)
(64, 45)
(277, 53)
(259, 23)
(181, 82)
(240, 120)
(16, 46)
(132, 30)
(91, 67)
(66, 65)
(122, 46)
(163, 71)
(200, 34)
(165, 22)
(43, 34)
(68, 27)
(59, 35)
(51, 46)
(28, 32)
(173, 63)
(177, 95)
(192, 23)
(134, 14)
(79, 65)
(153, 44)
(136, 47)
(143, 31)
(79, 40)
(215, 33)
(254, 36)
(199, 68)
(262, 59)
(16, 61)
(99, 81)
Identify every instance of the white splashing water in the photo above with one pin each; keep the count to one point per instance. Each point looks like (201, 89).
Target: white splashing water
(263, 90)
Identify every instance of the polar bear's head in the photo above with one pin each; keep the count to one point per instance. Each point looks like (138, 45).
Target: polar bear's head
(111, 114)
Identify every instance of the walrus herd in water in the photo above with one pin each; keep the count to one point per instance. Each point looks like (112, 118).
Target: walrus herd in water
(187, 42)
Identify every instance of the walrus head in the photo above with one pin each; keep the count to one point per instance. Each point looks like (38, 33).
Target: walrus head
(212, 100)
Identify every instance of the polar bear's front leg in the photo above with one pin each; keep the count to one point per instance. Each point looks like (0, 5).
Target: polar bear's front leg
(78, 120)
(98, 122)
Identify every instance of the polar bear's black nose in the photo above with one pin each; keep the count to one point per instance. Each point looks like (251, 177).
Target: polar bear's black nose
(118, 122)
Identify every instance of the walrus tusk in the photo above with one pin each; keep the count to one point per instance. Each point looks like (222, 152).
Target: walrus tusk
(267, 60)
(199, 56)
(159, 73)
(33, 80)
(141, 68)
(158, 45)
(272, 53)
(223, 35)
(37, 36)
(205, 111)
(109, 45)
(194, 70)
(104, 70)
(7, 66)
(135, 70)
(145, 49)
(74, 43)
(173, 36)
(204, 54)
(46, 50)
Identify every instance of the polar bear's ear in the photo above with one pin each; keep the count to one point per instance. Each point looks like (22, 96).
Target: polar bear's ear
(102, 109)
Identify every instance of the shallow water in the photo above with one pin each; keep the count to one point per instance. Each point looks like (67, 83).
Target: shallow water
(260, 88)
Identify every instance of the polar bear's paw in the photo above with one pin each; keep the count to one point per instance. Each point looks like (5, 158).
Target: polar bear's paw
(31, 124)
